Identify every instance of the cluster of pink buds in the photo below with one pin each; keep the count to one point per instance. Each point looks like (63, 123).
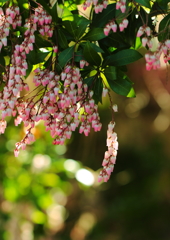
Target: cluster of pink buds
(43, 21)
(98, 7)
(121, 5)
(152, 59)
(40, 21)
(113, 26)
(61, 110)
(10, 17)
(146, 40)
(110, 154)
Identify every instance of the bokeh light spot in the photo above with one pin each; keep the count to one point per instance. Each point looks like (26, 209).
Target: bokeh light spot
(85, 176)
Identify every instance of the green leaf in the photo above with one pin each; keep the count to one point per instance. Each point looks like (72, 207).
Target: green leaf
(78, 56)
(132, 93)
(70, 27)
(95, 34)
(88, 81)
(65, 56)
(110, 72)
(67, 15)
(77, 27)
(23, 10)
(82, 24)
(96, 48)
(145, 3)
(98, 89)
(36, 57)
(122, 57)
(62, 40)
(54, 13)
(40, 42)
(100, 19)
(91, 55)
(164, 24)
(2, 64)
(120, 86)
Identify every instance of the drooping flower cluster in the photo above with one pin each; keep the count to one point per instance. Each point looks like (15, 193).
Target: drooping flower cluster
(10, 17)
(121, 4)
(110, 155)
(153, 58)
(98, 6)
(61, 111)
(113, 26)
(146, 39)
(13, 77)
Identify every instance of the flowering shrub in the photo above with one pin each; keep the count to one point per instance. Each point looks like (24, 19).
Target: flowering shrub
(77, 57)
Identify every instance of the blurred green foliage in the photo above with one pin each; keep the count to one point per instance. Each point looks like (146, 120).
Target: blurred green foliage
(41, 197)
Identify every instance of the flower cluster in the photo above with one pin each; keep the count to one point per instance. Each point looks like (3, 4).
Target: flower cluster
(146, 39)
(113, 26)
(61, 111)
(121, 5)
(98, 6)
(10, 17)
(110, 154)
(13, 77)
(153, 59)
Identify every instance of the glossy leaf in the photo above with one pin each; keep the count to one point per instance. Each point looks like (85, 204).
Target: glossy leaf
(107, 14)
(123, 57)
(62, 40)
(132, 93)
(67, 15)
(95, 34)
(25, 11)
(40, 42)
(89, 80)
(81, 25)
(2, 63)
(98, 89)
(90, 55)
(77, 27)
(96, 48)
(54, 13)
(78, 56)
(145, 3)
(120, 86)
(163, 26)
(65, 56)
(110, 72)
(36, 57)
